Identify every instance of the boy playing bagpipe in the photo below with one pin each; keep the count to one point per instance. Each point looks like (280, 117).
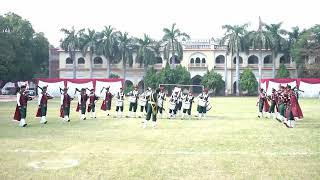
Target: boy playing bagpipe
(106, 103)
(82, 103)
(65, 104)
(21, 108)
(92, 103)
(43, 102)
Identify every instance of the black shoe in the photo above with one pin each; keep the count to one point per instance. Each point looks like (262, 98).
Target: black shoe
(69, 120)
(24, 125)
(84, 118)
(45, 122)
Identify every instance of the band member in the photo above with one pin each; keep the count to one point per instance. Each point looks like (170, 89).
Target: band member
(119, 104)
(21, 108)
(282, 101)
(65, 105)
(82, 103)
(187, 104)
(92, 103)
(42, 102)
(173, 101)
(179, 103)
(134, 95)
(148, 93)
(293, 109)
(161, 99)
(152, 109)
(142, 103)
(203, 100)
(106, 103)
(263, 103)
(273, 100)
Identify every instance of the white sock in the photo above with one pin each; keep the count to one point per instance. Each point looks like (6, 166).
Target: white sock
(94, 114)
(22, 122)
(43, 119)
(144, 124)
(154, 124)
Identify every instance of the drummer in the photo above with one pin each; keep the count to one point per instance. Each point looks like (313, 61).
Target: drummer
(187, 100)
(134, 95)
(161, 98)
(203, 101)
(142, 103)
(119, 103)
(172, 104)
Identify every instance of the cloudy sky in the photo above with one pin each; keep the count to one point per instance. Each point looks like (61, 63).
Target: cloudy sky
(201, 19)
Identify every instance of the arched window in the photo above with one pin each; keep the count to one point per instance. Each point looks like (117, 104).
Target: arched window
(203, 60)
(192, 61)
(97, 60)
(159, 60)
(284, 60)
(197, 60)
(253, 60)
(176, 58)
(69, 61)
(267, 60)
(81, 60)
(240, 60)
(220, 59)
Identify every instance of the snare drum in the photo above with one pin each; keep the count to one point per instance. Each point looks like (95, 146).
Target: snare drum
(133, 99)
(208, 107)
(202, 103)
(119, 103)
(172, 105)
(186, 105)
(142, 102)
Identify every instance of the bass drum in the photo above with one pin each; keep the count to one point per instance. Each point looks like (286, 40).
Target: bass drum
(172, 105)
(208, 107)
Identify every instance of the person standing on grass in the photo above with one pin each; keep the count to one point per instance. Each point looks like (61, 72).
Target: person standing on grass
(82, 103)
(43, 102)
(65, 105)
(293, 110)
(173, 104)
(263, 103)
(21, 108)
(187, 104)
(119, 103)
(203, 100)
(134, 95)
(161, 99)
(273, 99)
(106, 103)
(152, 109)
(92, 103)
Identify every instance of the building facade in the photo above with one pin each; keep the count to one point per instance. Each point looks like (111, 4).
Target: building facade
(199, 56)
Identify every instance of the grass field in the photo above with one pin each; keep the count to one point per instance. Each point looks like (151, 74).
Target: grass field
(230, 144)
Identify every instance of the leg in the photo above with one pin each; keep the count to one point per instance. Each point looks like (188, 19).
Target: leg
(23, 114)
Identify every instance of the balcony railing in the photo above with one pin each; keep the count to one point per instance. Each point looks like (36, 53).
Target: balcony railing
(198, 65)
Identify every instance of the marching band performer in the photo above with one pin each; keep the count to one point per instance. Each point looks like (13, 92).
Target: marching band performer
(65, 105)
(161, 98)
(263, 103)
(273, 99)
(203, 100)
(119, 103)
(152, 109)
(134, 95)
(92, 103)
(82, 103)
(187, 104)
(106, 103)
(173, 104)
(21, 108)
(43, 102)
(293, 109)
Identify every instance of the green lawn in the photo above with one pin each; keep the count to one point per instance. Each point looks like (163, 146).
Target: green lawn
(230, 144)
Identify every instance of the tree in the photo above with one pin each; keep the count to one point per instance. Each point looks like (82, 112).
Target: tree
(40, 54)
(108, 46)
(145, 55)
(89, 44)
(236, 40)
(261, 39)
(125, 48)
(213, 81)
(151, 78)
(70, 44)
(248, 82)
(171, 39)
(277, 42)
(283, 72)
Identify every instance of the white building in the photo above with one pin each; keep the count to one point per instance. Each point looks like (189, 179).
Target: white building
(198, 57)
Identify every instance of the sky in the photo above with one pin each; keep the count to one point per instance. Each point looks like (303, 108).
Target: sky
(201, 19)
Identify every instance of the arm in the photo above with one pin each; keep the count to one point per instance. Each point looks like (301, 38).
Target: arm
(61, 99)
(39, 98)
(18, 99)
(79, 99)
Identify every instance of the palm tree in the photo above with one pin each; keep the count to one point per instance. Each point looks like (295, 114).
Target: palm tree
(108, 46)
(89, 44)
(235, 39)
(70, 44)
(145, 54)
(172, 44)
(277, 42)
(260, 39)
(125, 48)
